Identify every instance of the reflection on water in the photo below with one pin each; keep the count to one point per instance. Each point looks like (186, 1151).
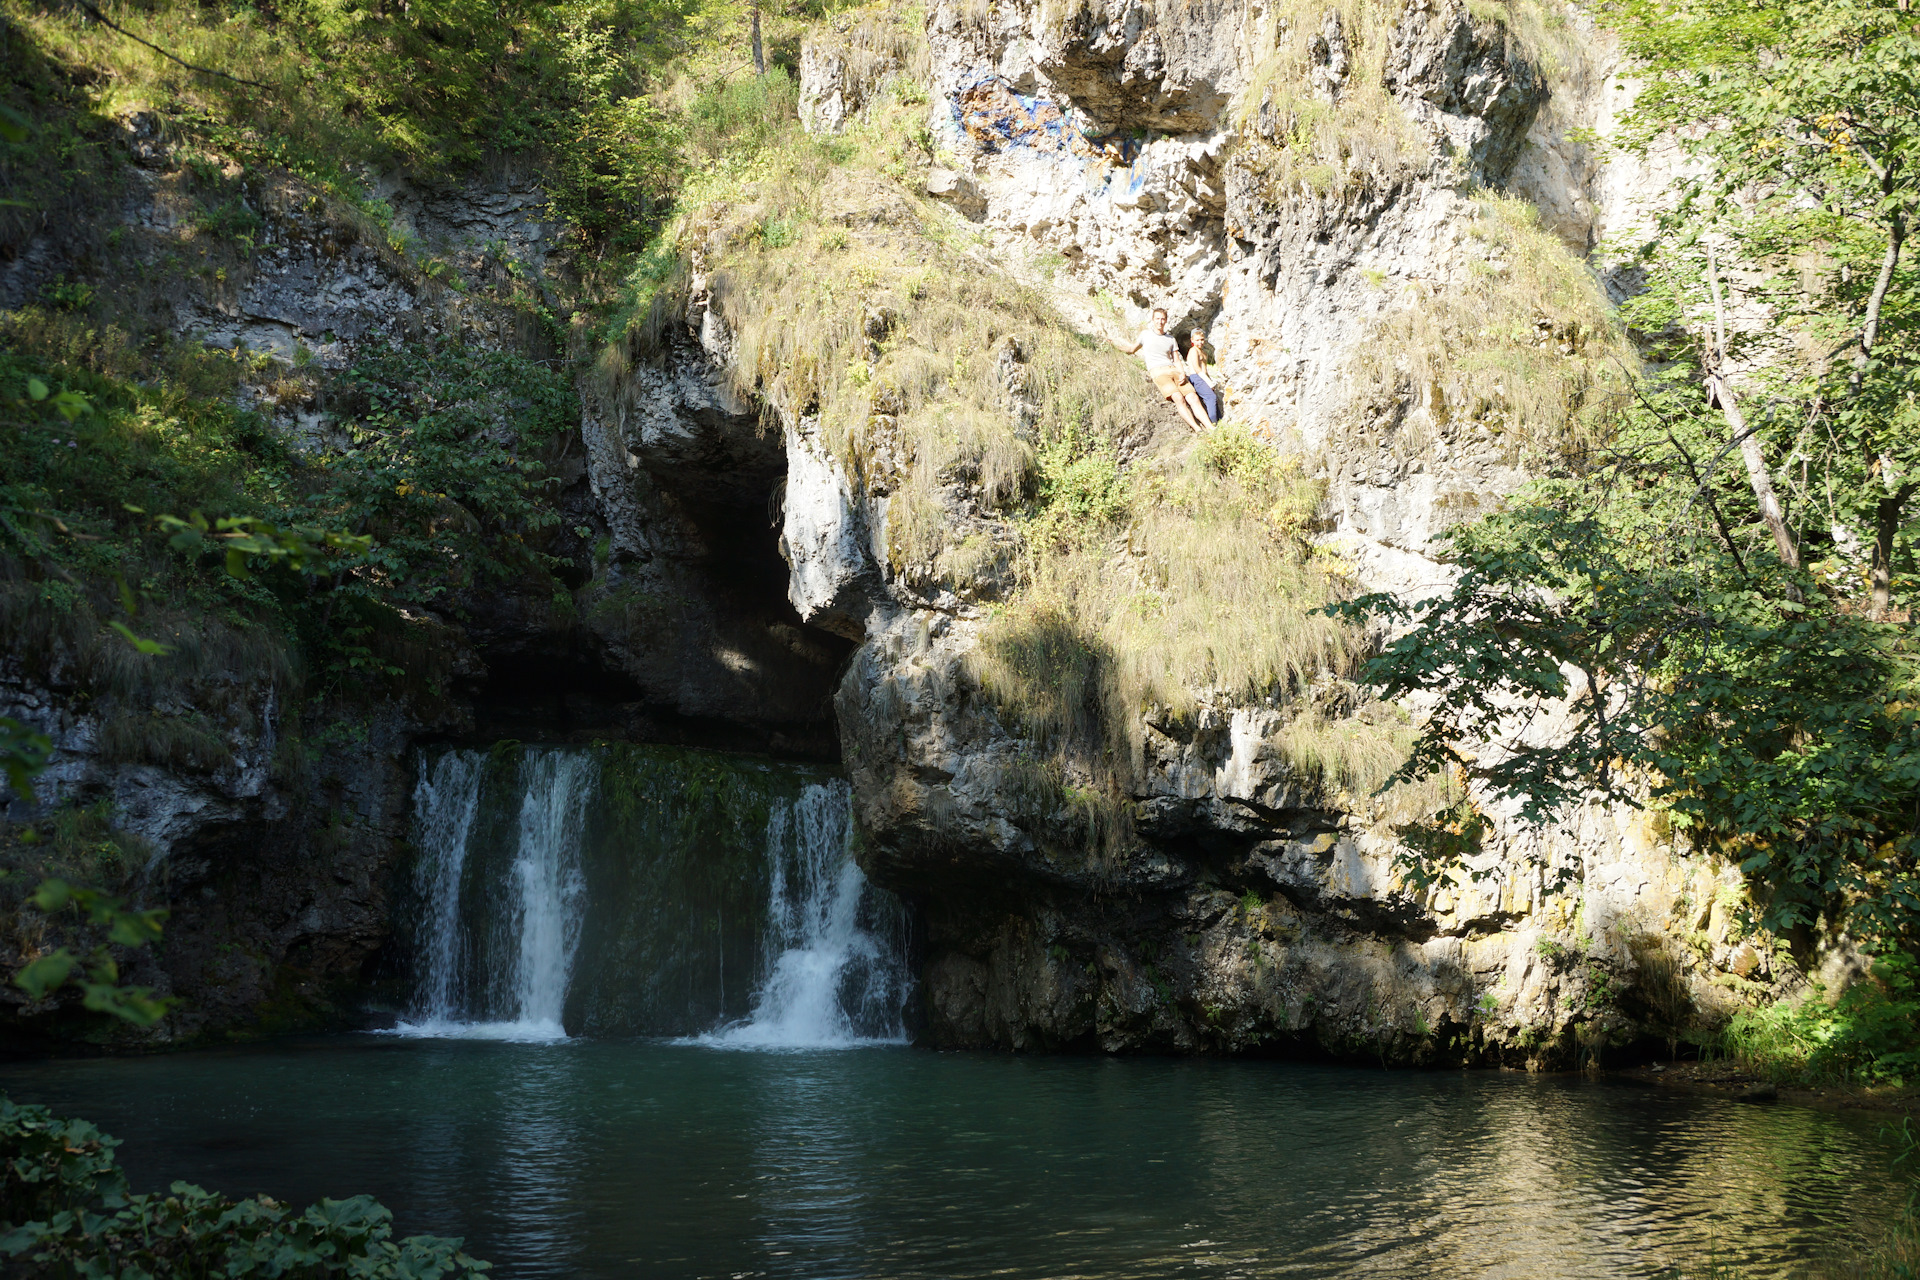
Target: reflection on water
(605, 1159)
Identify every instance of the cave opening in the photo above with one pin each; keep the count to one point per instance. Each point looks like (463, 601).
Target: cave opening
(696, 644)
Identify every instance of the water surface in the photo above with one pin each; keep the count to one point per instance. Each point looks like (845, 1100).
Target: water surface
(642, 1159)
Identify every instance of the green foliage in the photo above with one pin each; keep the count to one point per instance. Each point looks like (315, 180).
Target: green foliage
(428, 87)
(446, 469)
(65, 1210)
(241, 539)
(1080, 489)
(439, 491)
(742, 114)
(1817, 95)
(97, 976)
(1870, 1035)
(612, 150)
(122, 434)
(1813, 156)
(24, 751)
(1782, 733)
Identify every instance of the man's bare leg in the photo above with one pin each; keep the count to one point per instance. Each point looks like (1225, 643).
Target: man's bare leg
(1186, 413)
(1197, 410)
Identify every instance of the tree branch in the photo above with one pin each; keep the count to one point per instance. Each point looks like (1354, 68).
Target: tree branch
(1756, 461)
(104, 20)
(1700, 490)
(1870, 331)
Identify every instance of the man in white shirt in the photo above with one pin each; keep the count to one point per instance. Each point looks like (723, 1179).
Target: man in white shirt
(1162, 354)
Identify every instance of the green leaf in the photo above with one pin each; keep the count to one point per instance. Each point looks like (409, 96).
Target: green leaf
(52, 895)
(134, 1005)
(152, 648)
(45, 974)
(136, 928)
(14, 127)
(24, 752)
(71, 404)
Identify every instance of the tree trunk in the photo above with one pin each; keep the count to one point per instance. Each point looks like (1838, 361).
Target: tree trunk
(1870, 331)
(759, 55)
(1757, 475)
(1886, 515)
(1886, 525)
(1750, 452)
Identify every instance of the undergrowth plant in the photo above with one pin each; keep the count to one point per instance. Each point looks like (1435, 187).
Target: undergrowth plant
(1870, 1035)
(65, 1210)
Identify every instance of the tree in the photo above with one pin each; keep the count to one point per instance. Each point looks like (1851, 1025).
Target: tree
(1620, 631)
(1806, 116)
(1603, 642)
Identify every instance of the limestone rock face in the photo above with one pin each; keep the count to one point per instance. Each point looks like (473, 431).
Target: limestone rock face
(278, 869)
(1115, 64)
(688, 616)
(1249, 909)
(1464, 80)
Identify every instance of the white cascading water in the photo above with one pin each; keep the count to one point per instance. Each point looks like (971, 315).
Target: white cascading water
(839, 970)
(550, 898)
(538, 934)
(444, 805)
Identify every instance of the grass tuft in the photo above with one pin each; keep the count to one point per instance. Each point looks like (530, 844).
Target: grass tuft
(1521, 348)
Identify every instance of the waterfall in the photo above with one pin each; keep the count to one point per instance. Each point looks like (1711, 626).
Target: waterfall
(627, 890)
(444, 804)
(839, 975)
(550, 890)
(520, 990)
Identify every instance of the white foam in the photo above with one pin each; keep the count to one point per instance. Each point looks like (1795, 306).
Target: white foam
(525, 1031)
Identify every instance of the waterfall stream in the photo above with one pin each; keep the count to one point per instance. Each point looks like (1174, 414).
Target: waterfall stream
(444, 803)
(535, 932)
(635, 890)
(836, 944)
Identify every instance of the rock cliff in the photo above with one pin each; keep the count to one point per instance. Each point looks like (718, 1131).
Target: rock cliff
(271, 813)
(1383, 215)
(1327, 191)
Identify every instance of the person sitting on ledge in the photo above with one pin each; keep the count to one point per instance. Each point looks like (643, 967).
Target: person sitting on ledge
(1197, 363)
(1162, 354)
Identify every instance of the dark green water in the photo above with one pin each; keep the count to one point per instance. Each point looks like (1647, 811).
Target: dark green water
(640, 1159)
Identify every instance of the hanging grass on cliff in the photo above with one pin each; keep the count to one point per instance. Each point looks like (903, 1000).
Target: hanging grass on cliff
(1129, 574)
(1523, 350)
(1319, 113)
